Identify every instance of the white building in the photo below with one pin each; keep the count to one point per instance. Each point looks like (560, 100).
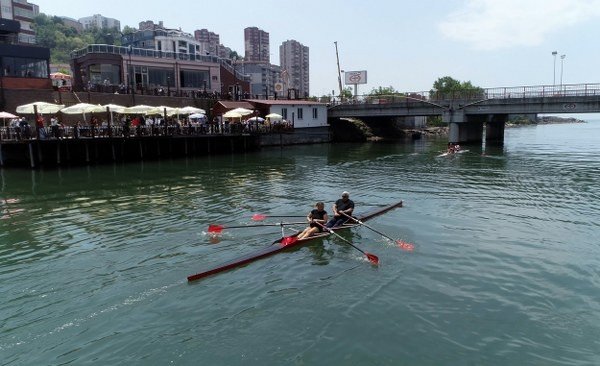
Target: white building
(100, 22)
(301, 113)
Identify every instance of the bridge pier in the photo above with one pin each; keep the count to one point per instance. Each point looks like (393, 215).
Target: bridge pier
(464, 128)
(494, 129)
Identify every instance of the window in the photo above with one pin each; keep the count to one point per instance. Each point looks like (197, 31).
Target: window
(194, 79)
(315, 113)
(24, 67)
(161, 77)
(99, 73)
(300, 113)
(284, 113)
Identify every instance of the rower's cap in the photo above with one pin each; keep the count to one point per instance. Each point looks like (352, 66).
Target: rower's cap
(345, 194)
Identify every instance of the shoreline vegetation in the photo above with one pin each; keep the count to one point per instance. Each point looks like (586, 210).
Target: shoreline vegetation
(353, 129)
(544, 120)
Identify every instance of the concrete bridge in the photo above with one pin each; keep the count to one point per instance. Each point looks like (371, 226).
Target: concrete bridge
(468, 114)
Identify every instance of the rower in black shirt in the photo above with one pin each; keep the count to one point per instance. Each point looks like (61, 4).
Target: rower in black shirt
(316, 219)
(345, 205)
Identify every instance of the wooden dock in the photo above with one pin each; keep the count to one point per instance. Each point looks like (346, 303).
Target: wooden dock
(87, 151)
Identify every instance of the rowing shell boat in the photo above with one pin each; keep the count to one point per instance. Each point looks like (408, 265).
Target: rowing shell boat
(283, 244)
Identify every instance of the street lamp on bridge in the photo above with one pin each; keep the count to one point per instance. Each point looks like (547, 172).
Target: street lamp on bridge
(554, 53)
(562, 59)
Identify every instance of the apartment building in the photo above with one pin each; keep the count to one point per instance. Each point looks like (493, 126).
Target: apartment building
(256, 45)
(100, 22)
(294, 60)
(24, 13)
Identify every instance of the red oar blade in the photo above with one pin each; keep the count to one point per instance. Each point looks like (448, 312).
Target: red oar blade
(288, 240)
(215, 229)
(372, 258)
(258, 217)
(405, 246)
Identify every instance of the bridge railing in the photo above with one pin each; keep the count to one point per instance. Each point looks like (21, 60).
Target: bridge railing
(433, 97)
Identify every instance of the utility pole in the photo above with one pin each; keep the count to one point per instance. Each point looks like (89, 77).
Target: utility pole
(339, 71)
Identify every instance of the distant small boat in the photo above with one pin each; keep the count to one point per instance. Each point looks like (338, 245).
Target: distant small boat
(454, 153)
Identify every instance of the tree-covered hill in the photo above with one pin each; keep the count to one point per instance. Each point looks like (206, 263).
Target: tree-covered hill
(51, 32)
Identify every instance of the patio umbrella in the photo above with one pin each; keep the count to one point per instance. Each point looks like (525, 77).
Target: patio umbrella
(256, 119)
(60, 76)
(274, 116)
(161, 110)
(232, 114)
(42, 107)
(82, 108)
(113, 108)
(190, 110)
(242, 111)
(137, 109)
(197, 116)
(5, 115)
(110, 109)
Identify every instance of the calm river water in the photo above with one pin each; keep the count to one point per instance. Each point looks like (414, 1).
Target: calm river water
(505, 271)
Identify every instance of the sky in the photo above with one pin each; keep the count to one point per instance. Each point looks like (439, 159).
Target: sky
(404, 44)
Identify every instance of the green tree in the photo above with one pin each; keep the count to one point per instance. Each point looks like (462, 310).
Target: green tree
(51, 32)
(128, 30)
(448, 87)
(346, 93)
(383, 91)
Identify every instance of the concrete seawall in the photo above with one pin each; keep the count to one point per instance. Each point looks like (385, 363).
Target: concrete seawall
(316, 135)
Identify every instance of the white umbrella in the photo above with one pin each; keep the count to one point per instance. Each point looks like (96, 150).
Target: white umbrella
(137, 109)
(82, 108)
(5, 115)
(113, 108)
(232, 114)
(242, 111)
(274, 116)
(197, 116)
(42, 107)
(161, 110)
(190, 110)
(256, 119)
(60, 76)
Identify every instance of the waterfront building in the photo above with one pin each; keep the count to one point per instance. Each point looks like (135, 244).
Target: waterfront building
(22, 12)
(155, 60)
(100, 22)
(256, 45)
(294, 60)
(24, 66)
(300, 113)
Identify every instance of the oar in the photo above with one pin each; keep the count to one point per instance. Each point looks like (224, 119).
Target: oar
(372, 257)
(214, 228)
(261, 217)
(401, 243)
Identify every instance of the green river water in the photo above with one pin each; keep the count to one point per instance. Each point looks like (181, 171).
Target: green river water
(505, 270)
